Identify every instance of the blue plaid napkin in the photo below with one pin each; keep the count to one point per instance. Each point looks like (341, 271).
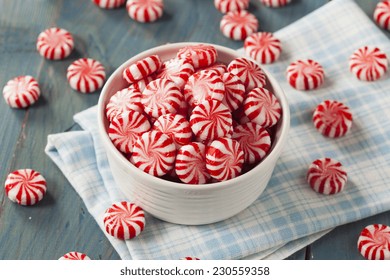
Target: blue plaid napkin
(288, 215)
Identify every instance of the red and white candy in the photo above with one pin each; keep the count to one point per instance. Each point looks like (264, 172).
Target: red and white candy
(124, 220)
(382, 14)
(262, 107)
(190, 164)
(263, 47)
(275, 3)
(234, 91)
(176, 70)
(21, 92)
(176, 127)
(190, 259)
(141, 84)
(332, 118)
(124, 100)
(55, 43)
(326, 176)
(125, 128)
(145, 10)
(198, 55)
(86, 75)
(109, 4)
(74, 256)
(238, 25)
(374, 242)
(305, 74)
(154, 153)
(368, 63)
(249, 73)
(211, 120)
(142, 68)
(161, 97)
(254, 140)
(225, 6)
(224, 159)
(203, 85)
(25, 186)
(216, 68)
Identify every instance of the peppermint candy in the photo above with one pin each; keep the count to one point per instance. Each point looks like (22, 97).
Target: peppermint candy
(86, 75)
(176, 70)
(382, 14)
(262, 107)
(254, 140)
(199, 55)
(263, 47)
(225, 6)
(224, 159)
(25, 186)
(190, 259)
(145, 10)
(142, 68)
(125, 128)
(141, 84)
(203, 85)
(249, 73)
(124, 100)
(21, 92)
(368, 63)
(211, 120)
(234, 91)
(124, 220)
(154, 153)
(374, 242)
(190, 164)
(238, 25)
(305, 74)
(326, 176)
(74, 256)
(216, 68)
(109, 4)
(275, 3)
(55, 43)
(161, 97)
(332, 118)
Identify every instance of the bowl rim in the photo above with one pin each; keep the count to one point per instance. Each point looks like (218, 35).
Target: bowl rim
(272, 156)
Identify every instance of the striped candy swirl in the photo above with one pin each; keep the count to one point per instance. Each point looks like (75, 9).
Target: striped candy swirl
(225, 6)
(21, 92)
(74, 256)
(86, 75)
(382, 14)
(263, 47)
(374, 242)
(305, 74)
(238, 25)
(145, 10)
(199, 55)
(275, 3)
(55, 43)
(109, 4)
(124, 100)
(176, 70)
(142, 68)
(249, 73)
(368, 63)
(234, 91)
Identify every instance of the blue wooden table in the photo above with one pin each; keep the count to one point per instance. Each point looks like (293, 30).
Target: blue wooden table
(60, 222)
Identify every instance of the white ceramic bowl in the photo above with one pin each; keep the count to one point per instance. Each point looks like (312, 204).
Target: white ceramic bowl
(183, 203)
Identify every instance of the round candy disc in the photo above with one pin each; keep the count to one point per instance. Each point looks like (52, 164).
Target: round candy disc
(374, 242)
(55, 43)
(124, 100)
(225, 6)
(154, 153)
(176, 70)
(234, 91)
(199, 55)
(86, 75)
(141, 84)
(326, 176)
(109, 4)
(249, 73)
(382, 14)
(368, 63)
(305, 74)
(224, 159)
(275, 3)
(142, 68)
(238, 25)
(25, 186)
(145, 10)
(263, 47)
(21, 92)
(124, 220)
(74, 256)
(332, 118)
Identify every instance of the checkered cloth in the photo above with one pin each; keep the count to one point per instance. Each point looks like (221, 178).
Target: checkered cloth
(288, 214)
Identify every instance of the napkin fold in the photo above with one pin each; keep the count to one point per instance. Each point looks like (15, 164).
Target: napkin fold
(288, 215)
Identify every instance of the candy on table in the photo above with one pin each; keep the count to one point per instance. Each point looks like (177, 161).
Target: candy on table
(263, 47)
(145, 10)
(234, 91)
(190, 164)
(332, 118)
(225, 6)
(109, 4)
(326, 176)
(74, 256)
(154, 153)
(305, 74)
(217, 68)
(175, 126)
(142, 68)
(374, 242)
(262, 107)
(248, 71)
(224, 159)
(125, 128)
(141, 84)
(124, 100)
(254, 140)
(238, 25)
(368, 63)
(190, 259)
(176, 70)
(161, 97)
(275, 3)
(199, 55)
(203, 85)
(25, 186)
(124, 220)
(21, 92)
(55, 43)
(86, 75)
(382, 14)
(211, 120)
